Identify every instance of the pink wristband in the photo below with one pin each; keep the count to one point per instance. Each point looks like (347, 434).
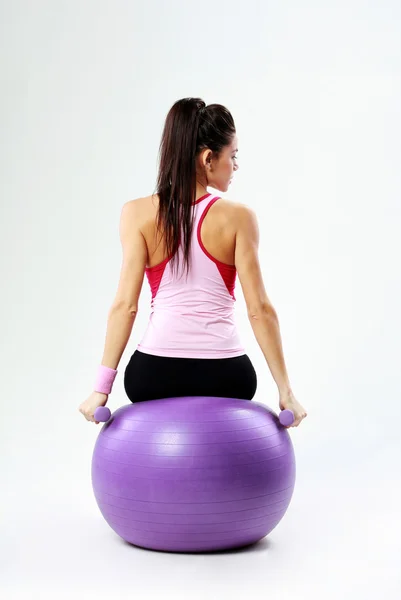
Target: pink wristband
(104, 379)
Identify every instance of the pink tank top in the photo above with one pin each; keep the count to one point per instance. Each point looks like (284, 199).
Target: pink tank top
(193, 317)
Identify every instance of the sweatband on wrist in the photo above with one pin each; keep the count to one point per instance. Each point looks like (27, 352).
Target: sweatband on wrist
(104, 379)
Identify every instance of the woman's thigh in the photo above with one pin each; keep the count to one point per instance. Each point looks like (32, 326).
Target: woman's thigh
(149, 377)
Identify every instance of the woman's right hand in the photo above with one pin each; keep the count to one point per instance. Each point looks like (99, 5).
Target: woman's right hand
(288, 401)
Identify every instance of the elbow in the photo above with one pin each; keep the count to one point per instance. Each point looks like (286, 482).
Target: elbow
(261, 310)
(124, 307)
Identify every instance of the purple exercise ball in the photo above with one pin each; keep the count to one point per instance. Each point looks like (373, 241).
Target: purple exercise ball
(193, 474)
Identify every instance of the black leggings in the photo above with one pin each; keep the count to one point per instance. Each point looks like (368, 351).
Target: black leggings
(150, 377)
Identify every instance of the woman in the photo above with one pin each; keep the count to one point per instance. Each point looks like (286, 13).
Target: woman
(191, 244)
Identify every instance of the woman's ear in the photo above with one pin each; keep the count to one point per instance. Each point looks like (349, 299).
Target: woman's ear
(206, 157)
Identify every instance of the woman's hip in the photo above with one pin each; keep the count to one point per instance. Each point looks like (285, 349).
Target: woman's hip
(148, 377)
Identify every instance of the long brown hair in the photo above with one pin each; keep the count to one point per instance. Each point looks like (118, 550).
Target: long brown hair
(190, 127)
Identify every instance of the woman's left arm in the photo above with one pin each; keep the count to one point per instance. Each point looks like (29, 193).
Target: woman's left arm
(124, 308)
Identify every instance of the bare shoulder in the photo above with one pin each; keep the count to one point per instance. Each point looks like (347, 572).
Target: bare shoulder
(137, 204)
(241, 214)
(236, 207)
(138, 209)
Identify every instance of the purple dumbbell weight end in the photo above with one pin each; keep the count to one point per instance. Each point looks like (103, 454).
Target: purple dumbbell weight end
(102, 414)
(286, 417)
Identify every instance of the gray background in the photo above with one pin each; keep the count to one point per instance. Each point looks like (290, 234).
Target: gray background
(315, 90)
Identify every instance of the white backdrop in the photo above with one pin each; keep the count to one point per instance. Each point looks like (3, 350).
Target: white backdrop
(315, 91)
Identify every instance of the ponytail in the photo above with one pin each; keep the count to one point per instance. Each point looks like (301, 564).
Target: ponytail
(190, 126)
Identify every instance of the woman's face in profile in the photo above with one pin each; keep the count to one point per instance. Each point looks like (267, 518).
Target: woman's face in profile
(222, 170)
(225, 167)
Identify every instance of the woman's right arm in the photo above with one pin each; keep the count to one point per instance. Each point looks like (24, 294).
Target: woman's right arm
(261, 313)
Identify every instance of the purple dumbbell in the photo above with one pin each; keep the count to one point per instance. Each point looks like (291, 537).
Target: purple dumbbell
(102, 414)
(286, 417)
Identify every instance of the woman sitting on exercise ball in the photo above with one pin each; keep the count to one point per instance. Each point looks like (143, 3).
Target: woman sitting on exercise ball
(191, 244)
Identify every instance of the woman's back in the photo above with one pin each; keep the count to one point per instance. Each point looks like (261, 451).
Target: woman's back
(217, 232)
(193, 313)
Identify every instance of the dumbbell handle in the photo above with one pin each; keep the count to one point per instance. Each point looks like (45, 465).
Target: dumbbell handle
(103, 414)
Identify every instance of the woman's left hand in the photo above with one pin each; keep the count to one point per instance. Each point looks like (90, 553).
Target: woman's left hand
(88, 407)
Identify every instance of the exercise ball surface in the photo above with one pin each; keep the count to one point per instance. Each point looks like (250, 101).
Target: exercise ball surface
(193, 474)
